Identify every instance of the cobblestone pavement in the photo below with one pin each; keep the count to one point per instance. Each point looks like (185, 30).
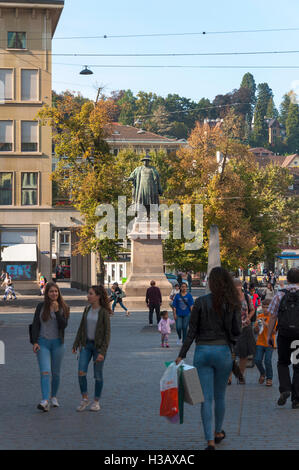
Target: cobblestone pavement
(129, 418)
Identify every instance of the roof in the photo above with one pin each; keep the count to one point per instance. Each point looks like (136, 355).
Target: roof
(120, 133)
(288, 160)
(261, 151)
(264, 160)
(55, 6)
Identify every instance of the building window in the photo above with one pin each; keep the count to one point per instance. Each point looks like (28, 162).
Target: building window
(29, 89)
(29, 136)
(29, 189)
(5, 189)
(64, 239)
(6, 133)
(16, 40)
(6, 84)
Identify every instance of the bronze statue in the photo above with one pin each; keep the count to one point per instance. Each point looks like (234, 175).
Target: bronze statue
(146, 185)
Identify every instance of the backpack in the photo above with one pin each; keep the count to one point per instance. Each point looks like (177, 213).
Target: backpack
(288, 314)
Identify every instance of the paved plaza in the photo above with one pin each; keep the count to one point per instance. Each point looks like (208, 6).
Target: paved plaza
(129, 418)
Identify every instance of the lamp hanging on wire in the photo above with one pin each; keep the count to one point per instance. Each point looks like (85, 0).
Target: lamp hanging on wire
(86, 71)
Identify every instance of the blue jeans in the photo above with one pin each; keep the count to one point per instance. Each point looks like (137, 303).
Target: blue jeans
(118, 301)
(49, 359)
(86, 354)
(182, 326)
(260, 353)
(214, 365)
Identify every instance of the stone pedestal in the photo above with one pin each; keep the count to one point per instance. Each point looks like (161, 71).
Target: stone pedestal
(147, 265)
(214, 252)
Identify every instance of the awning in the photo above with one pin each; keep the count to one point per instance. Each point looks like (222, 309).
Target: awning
(21, 252)
(288, 256)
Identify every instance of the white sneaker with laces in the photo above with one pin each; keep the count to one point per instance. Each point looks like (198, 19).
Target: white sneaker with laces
(83, 405)
(54, 402)
(44, 405)
(95, 406)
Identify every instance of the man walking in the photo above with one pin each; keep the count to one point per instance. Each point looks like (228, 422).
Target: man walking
(285, 308)
(154, 301)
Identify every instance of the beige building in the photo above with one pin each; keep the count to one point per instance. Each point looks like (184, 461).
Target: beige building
(27, 218)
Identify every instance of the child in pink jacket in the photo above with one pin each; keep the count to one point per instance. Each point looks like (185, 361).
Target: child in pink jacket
(164, 328)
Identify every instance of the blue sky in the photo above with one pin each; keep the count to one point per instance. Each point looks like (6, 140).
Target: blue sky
(118, 17)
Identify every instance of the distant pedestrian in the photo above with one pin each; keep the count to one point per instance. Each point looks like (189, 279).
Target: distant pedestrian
(92, 340)
(214, 325)
(42, 284)
(284, 308)
(180, 279)
(50, 320)
(245, 345)
(189, 280)
(173, 293)
(116, 295)
(182, 305)
(263, 350)
(9, 292)
(268, 291)
(153, 300)
(164, 327)
(255, 300)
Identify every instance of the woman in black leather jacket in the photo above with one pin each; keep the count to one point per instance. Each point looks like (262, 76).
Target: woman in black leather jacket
(215, 323)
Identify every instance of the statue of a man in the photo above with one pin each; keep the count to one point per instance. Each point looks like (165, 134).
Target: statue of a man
(146, 185)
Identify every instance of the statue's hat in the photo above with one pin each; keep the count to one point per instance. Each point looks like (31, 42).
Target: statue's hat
(147, 157)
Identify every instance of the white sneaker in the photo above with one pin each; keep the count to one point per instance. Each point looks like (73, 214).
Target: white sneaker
(54, 402)
(44, 405)
(83, 405)
(95, 406)
(179, 342)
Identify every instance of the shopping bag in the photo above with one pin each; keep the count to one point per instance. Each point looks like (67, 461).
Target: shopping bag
(169, 392)
(172, 393)
(192, 389)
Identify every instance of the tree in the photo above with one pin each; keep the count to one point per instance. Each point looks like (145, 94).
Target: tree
(127, 106)
(260, 129)
(251, 206)
(284, 108)
(271, 109)
(292, 128)
(249, 84)
(87, 170)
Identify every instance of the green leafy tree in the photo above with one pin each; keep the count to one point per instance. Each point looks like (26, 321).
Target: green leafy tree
(292, 128)
(86, 170)
(284, 108)
(260, 129)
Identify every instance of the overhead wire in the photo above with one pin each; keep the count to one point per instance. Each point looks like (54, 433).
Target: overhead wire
(158, 54)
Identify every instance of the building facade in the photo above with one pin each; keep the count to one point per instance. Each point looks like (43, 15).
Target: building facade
(27, 218)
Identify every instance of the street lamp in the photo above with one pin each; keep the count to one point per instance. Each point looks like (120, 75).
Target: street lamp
(86, 71)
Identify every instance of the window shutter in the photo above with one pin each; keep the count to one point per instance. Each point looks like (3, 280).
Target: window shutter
(29, 132)
(30, 85)
(6, 84)
(6, 132)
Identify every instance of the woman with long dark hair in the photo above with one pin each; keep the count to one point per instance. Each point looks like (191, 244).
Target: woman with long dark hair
(92, 340)
(50, 320)
(215, 322)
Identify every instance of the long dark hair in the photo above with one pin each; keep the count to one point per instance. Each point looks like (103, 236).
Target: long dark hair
(104, 302)
(47, 302)
(223, 289)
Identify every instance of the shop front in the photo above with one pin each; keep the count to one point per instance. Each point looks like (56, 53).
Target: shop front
(19, 254)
